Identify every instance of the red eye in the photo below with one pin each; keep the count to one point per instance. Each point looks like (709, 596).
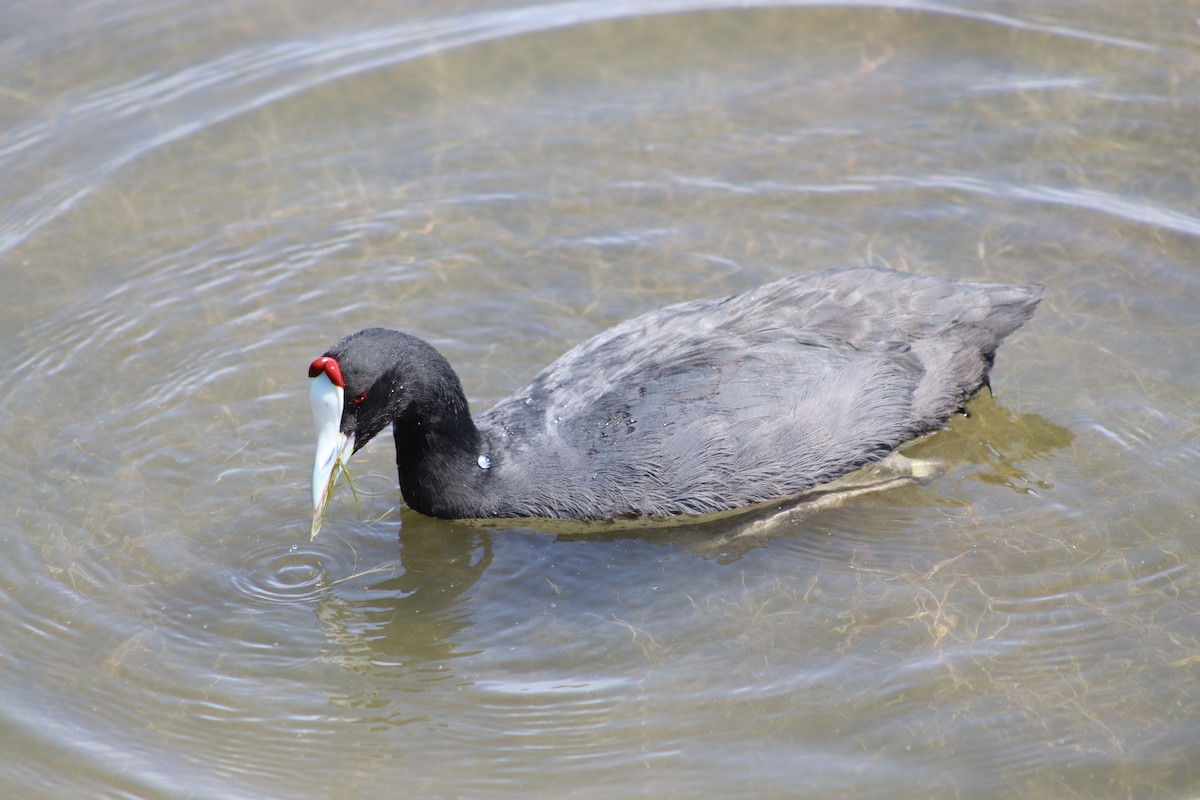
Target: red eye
(359, 399)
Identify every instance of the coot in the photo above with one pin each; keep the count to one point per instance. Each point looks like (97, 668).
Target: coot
(700, 407)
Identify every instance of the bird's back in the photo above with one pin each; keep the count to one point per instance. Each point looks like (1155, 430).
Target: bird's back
(714, 404)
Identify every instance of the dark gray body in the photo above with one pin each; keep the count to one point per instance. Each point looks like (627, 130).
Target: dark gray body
(709, 405)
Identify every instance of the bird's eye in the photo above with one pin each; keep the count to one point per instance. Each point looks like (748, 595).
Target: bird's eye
(359, 399)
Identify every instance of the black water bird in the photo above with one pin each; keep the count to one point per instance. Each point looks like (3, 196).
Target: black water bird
(696, 408)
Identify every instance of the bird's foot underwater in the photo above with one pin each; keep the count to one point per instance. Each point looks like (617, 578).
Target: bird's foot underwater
(894, 471)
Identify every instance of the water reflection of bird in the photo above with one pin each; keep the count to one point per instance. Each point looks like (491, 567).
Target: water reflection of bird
(411, 619)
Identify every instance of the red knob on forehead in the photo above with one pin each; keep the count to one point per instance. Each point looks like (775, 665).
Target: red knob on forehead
(330, 367)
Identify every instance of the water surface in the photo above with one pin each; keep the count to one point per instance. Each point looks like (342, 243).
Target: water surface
(201, 197)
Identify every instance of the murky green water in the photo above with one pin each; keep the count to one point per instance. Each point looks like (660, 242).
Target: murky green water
(199, 197)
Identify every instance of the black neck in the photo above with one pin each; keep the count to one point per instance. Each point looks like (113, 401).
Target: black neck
(438, 458)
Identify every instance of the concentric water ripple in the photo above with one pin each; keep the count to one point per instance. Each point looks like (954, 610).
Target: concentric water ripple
(273, 574)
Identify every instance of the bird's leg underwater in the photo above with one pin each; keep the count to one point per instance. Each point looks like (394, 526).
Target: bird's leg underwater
(893, 471)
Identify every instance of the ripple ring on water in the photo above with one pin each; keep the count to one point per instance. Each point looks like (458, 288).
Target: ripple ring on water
(295, 574)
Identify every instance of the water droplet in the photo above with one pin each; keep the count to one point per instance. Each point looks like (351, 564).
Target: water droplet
(484, 461)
